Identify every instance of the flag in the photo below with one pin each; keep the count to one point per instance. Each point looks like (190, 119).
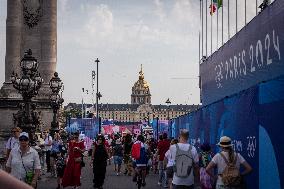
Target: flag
(215, 5)
(212, 8)
(218, 3)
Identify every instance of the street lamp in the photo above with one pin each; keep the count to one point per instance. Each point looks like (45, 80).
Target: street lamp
(28, 85)
(168, 102)
(98, 96)
(56, 100)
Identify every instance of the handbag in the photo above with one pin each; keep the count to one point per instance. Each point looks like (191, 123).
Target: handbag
(78, 160)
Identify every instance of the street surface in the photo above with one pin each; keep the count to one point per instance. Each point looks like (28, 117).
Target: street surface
(111, 182)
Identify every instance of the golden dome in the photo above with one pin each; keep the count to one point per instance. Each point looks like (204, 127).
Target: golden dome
(141, 84)
(140, 90)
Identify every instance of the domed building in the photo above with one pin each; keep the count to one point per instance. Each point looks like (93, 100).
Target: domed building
(141, 91)
(140, 109)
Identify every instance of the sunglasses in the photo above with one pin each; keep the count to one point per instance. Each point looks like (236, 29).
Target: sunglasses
(15, 131)
(23, 139)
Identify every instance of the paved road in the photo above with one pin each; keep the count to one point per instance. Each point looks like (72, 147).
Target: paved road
(111, 182)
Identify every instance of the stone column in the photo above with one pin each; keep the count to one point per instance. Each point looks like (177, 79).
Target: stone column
(13, 38)
(48, 32)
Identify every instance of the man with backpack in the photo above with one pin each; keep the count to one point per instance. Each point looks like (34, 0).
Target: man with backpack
(185, 158)
(139, 153)
(228, 164)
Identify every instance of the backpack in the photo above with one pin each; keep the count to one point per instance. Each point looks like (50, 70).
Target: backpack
(143, 159)
(135, 152)
(183, 162)
(231, 174)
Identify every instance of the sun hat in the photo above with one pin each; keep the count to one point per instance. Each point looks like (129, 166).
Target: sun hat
(24, 134)
(225, 142)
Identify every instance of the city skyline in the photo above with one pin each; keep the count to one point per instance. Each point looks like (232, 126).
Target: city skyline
(161, 35)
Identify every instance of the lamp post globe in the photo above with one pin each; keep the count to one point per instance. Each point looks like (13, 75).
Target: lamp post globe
(56, 101)
(168, 102)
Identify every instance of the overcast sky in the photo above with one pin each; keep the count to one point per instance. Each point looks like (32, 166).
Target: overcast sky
(160, 34)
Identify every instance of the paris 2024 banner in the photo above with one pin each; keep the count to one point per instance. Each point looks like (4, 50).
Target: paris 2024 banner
(253, 55)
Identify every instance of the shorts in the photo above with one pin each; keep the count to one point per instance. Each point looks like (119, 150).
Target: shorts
(117, 160)
(170, 172)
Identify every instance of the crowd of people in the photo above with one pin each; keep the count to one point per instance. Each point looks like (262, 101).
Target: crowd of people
(179, 165)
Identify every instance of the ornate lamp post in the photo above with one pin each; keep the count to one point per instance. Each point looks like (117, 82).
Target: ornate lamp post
(56, 100)
(28, 85)
(168, 102)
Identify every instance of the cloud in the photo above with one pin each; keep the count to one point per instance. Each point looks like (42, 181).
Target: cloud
(160, 9)
(100, 23)
(160, 35)
(172, 28)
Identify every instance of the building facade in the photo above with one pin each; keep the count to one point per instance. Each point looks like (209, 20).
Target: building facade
(140, 108)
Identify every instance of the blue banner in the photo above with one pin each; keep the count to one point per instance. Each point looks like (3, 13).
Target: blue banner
(87, 126)
(253, 119)
(253, 55)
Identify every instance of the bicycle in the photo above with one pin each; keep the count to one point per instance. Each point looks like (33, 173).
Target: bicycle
(140, 182)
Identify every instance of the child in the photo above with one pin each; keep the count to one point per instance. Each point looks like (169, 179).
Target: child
(205, 156)
(60, 166)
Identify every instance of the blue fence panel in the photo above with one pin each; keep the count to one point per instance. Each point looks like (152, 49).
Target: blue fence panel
(253, 119)
(271, 119)
(87, 126)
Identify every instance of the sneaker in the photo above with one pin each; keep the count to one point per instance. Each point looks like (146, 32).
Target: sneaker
(134, 179)
(144, 184)
(117, 174)
(159, 183)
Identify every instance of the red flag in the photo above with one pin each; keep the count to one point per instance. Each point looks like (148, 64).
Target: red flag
(212, 8)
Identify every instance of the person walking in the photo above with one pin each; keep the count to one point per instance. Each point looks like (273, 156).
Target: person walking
(56, 145)
(60, 166)
(222, 160)
(139, 153)
(168, 163)
(127, 154)
(47, 148)
(99, 162)
(72, 172)
(205, 156)
(162, 148)
(13, 141)
(117, 156)
(23, 162)
(185, 158)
